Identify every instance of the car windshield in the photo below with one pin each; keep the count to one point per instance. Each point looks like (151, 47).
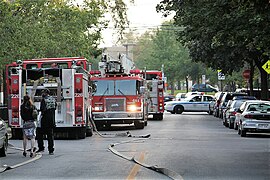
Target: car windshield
(259, 107)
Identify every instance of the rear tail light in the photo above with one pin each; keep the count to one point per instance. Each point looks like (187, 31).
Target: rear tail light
(249, 116)
(233, 113)
(79, 113)
(15, 114)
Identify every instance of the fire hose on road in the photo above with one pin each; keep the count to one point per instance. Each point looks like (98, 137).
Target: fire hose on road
(8, 167)
(165, 171)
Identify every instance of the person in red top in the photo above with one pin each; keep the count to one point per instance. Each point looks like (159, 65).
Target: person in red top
(29, 124)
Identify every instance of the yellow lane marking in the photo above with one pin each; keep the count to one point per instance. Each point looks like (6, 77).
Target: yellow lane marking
(136, 168)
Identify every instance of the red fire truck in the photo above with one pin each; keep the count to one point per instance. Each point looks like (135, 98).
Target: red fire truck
(68, 81)
(120, 94)
(155, 86)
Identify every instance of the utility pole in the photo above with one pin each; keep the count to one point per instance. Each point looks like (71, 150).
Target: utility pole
(127, 50)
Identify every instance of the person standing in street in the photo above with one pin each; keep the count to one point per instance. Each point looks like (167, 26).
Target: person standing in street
(29, 116)
(47, 122)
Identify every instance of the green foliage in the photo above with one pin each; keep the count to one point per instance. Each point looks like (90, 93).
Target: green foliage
(224, 34)
(161, 47)
(54, 28)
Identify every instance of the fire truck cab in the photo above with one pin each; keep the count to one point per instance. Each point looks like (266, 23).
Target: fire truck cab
(69, 83)
(120, 94)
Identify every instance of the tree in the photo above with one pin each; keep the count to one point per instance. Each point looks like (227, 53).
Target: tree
(222, 33)
(55, 28)
(161, 47)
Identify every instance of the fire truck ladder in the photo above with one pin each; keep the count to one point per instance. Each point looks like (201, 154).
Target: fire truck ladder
(34, 89)
(58, 100)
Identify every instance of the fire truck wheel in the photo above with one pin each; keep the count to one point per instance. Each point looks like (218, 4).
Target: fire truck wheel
(139, 125)
(82, 133)
(16, 133)
(89, 132)
(145, 123)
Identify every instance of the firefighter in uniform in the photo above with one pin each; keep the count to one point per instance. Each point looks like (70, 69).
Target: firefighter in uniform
(47, 124)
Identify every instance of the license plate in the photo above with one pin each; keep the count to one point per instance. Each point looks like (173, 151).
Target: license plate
(262, 126)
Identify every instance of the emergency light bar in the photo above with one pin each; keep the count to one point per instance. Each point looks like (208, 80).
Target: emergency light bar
(135, 71)
(95, 72)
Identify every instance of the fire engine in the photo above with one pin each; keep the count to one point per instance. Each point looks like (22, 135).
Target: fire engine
(155, 86)
(120, 94)
(68, 81)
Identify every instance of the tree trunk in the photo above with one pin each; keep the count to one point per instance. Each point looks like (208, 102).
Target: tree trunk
(264, 84)
(260, 60)
(172, 88)
(187, 84)
(251, 79)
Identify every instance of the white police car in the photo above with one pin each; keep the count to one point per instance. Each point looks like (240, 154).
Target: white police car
(193, 103)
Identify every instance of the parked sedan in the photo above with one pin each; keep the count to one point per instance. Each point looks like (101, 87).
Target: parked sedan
(193, 103)
(3, 138)
(232, 107)
(203, 88)
(231, 111)
(254, 116)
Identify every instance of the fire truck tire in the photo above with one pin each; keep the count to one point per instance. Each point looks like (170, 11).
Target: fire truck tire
(139, 125)
(16, 133)
(89, 132)
(81, 133)
(145, 123)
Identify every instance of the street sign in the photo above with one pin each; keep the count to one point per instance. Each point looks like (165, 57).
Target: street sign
(203, 79)
(221, 76)
(266, 66)
(246, 74)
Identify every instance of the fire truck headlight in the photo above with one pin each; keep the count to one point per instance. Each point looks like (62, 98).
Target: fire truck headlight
(98, 108)
(132, 107)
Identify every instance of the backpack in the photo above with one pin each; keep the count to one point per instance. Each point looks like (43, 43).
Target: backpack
(50, 103)
(35, 113)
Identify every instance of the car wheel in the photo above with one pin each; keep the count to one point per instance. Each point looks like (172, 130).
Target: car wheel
(139, 125)
(3, 150)
(178, 109)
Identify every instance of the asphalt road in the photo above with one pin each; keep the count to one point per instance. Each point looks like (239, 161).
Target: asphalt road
(194, 145)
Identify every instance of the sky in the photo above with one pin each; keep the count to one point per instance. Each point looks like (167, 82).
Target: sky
(142, 16)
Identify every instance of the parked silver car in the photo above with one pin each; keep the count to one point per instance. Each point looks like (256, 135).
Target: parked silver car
(3, 138)
(232, 107)
(254, 116)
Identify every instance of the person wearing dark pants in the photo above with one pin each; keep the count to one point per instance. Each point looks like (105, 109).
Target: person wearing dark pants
(40, 134)
(47, 124)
